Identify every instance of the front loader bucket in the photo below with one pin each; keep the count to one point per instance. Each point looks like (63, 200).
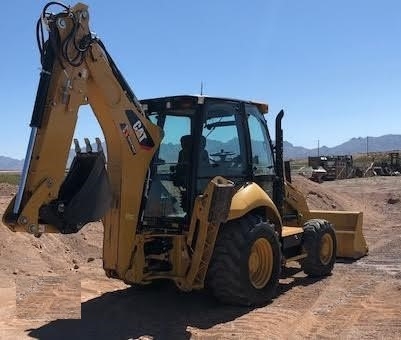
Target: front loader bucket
(348, 226)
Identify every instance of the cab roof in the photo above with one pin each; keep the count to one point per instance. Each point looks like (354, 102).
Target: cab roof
(199, 99)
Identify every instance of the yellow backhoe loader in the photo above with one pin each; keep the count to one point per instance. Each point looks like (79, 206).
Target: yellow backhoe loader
(193, 189)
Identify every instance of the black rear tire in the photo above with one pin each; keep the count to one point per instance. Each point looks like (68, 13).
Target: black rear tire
(246, 263)
(320, 243)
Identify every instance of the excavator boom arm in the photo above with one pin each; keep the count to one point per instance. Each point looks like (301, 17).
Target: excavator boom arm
(77, 70)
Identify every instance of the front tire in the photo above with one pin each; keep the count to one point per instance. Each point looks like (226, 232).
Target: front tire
(321, 246)
(246, 264)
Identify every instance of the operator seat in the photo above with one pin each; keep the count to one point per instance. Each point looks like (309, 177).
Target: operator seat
(183, 168)
(184, 160)
(204, 155)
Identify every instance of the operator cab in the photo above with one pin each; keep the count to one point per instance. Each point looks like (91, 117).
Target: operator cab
(204, 137)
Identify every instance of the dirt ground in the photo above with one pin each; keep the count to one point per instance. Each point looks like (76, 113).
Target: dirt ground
(54, 287)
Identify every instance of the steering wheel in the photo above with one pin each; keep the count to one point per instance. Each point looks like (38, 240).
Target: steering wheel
(223, 155)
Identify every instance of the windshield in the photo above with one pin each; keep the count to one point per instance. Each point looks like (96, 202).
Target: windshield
(222, 149)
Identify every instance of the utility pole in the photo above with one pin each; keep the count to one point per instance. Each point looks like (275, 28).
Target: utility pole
(367, 146)
(318, 147)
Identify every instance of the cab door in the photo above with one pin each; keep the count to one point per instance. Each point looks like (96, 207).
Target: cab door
(261, 150)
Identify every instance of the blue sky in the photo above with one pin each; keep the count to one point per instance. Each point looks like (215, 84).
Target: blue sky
(333, 66)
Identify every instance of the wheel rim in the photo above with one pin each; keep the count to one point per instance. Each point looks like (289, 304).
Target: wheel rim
(260, 263)
(326, 249)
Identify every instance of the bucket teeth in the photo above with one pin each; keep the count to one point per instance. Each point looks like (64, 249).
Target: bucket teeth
(77, 147)
(99, 145)
(88, 145)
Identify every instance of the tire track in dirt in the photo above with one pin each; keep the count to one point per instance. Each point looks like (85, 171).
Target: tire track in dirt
(346, 310)
(266, 319)
(276, 320)
(385, 257)
(48, 297)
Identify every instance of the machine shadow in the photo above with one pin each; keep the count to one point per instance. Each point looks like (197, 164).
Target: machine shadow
(295, 280)
(158, 312)
(130, 313)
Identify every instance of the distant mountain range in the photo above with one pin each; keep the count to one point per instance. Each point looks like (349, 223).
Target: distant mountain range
(7, 163)
(353, 146)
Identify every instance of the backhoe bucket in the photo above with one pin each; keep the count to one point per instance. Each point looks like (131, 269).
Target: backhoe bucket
(348, 226)
(84, 196)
